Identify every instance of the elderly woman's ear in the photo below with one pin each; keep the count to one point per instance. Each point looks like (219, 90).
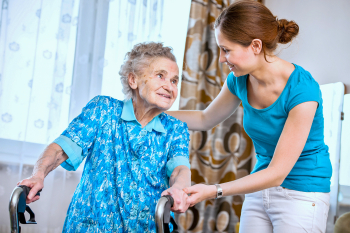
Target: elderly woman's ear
(132, 80)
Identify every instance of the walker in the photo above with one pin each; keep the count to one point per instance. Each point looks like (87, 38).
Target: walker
(17, 207)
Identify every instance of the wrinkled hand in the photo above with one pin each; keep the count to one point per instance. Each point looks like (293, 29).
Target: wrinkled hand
(200, 192)
(35, 184)
(180, 199)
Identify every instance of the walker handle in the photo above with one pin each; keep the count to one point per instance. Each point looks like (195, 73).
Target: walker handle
(17, 207)
(163, 217)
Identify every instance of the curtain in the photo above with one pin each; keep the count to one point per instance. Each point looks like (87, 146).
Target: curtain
(130, 23)
(37, 44)
(223, 153)
(37, 48)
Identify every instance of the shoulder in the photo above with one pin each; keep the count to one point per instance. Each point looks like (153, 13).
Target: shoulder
(104, 105)
(173, 124)
(105, 102)
(303, 88)
(236, 84)
(303, 79)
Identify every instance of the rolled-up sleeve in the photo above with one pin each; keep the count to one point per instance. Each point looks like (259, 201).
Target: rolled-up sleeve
(72, 150)
(179, 149)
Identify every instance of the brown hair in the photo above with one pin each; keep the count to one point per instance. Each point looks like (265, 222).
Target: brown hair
(243, 21)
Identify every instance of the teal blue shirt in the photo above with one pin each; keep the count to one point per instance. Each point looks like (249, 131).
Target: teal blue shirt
(313, 170)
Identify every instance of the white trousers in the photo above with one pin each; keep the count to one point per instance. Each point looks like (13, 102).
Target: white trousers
(281, 210)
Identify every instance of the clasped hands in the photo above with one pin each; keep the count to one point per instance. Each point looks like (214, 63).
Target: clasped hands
(184, 198)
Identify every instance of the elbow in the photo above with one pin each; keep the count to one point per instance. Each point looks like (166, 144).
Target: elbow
(278, 182)
(276, 175)
(206, 124)
(279, 179)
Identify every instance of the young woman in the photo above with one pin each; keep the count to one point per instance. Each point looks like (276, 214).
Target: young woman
(288, 190)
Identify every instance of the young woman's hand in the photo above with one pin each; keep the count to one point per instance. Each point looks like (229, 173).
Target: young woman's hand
(200, 192)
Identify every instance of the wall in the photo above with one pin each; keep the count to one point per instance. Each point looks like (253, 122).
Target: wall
(322, 44)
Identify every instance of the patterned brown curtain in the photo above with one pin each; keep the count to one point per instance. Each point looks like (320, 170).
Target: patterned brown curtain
(224, 153)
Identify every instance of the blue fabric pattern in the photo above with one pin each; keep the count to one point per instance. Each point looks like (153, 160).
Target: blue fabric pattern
(125, 170)
(313, 170)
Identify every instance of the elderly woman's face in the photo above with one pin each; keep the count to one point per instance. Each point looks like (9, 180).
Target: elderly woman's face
(157, 84)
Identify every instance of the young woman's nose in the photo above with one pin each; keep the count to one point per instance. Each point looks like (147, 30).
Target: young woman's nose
(222, 58)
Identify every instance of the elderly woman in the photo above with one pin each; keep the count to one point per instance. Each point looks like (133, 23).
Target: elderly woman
(134, 151)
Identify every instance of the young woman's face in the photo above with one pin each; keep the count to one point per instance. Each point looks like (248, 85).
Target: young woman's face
(239, 59)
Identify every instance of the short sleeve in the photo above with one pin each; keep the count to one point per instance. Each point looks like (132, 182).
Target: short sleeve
(179, 149)
(72, 150)
(306, 90)
(82, 131)
(231, 82)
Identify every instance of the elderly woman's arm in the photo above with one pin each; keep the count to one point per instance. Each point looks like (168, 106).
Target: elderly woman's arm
(50, 159)
(180, 178)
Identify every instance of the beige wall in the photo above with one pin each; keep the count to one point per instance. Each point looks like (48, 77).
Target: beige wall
(323, 44)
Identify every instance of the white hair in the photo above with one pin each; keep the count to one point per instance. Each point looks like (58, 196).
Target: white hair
(138, 58)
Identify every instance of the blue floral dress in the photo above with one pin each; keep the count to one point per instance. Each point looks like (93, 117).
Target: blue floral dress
(126, 169)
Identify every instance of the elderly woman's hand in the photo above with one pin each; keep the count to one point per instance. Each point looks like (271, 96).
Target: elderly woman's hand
(180, 199)
(36, 184)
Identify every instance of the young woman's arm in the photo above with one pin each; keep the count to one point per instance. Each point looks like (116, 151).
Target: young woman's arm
(219, 110)
(289, 147)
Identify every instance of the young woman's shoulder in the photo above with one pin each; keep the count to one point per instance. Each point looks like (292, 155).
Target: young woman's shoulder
(303, 77)
(302, 88)
(236, 84)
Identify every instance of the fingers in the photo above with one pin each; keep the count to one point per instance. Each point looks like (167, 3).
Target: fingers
(193, 199)
(164, 193)
(35, 189)
(33, 200)
(190, 190)
(35, 184)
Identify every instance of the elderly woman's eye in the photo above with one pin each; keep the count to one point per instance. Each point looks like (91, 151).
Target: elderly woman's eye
(174, 81)
(159, 75)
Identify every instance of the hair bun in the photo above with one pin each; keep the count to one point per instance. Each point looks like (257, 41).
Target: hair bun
(288, 30)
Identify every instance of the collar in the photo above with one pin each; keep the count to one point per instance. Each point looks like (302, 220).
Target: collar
(129, 115)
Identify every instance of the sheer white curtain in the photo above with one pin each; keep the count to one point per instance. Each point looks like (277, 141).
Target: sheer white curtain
(37, 44)
(37, 50)
(129, 22)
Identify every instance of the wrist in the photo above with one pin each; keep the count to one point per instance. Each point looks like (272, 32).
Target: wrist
(213, 191)
(178, 186)
(38, 175)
